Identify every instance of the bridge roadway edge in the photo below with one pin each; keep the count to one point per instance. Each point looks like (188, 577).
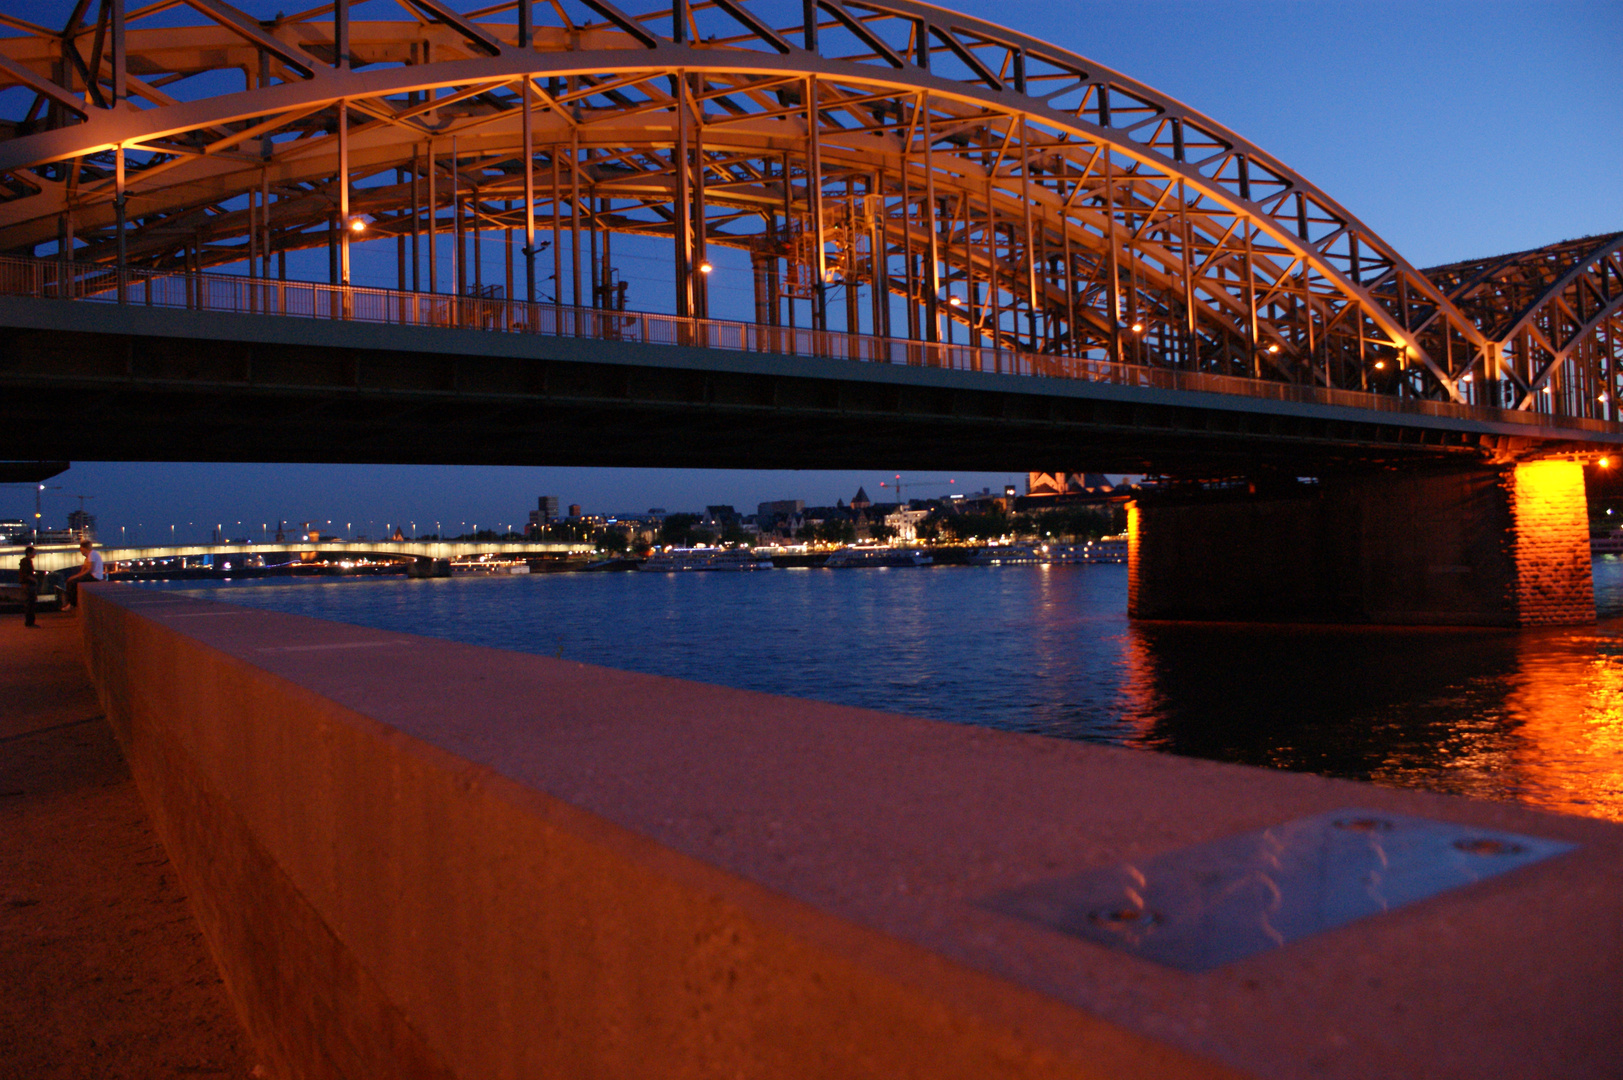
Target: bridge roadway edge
(959, 419)
(611, 874)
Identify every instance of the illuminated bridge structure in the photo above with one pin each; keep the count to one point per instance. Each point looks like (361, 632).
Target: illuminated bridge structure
(727, 233)
(52, 557)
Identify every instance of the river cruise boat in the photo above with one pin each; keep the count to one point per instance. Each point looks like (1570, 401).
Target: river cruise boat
(1107, 549)
(679, 559)
(851, 558)
(1111, 549)
(1006, 555)
(1067, 553)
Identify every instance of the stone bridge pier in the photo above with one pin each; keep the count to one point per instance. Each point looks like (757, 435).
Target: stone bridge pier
(1481, 545)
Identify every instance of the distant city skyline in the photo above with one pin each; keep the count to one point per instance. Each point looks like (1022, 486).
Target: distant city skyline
(1455, 130)
(426, 499)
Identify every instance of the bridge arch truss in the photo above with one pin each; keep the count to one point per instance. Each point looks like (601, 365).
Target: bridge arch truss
(888, 167)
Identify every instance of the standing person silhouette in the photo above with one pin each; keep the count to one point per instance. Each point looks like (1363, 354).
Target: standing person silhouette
(29, 580)
(92, 570)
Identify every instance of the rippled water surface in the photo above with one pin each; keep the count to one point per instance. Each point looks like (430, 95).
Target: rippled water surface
(1534, 716)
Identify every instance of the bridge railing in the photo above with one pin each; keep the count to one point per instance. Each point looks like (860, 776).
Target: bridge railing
(54, 278)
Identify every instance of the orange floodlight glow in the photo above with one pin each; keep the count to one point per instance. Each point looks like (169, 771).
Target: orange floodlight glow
(953, 301)
(705, 267)
(1138, 328)
(357, 225)
(1273, 348)
(1380, 365)
(1605, 463)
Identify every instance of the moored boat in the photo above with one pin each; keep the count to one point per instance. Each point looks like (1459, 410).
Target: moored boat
(1106, 549)
(850, 558)
(1006, 555)
(683, 559)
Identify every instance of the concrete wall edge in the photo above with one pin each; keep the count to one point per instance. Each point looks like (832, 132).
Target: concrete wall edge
(994, 1028)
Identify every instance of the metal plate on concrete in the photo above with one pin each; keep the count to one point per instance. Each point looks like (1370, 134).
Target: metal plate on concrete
(1204, 906)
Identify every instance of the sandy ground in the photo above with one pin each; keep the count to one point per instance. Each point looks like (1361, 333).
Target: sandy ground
(103, 970)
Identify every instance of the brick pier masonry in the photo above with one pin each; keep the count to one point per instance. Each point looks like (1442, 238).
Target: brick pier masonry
(1472, 546)
(416, 858)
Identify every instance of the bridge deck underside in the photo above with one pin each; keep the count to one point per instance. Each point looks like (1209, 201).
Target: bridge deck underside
(186, 387)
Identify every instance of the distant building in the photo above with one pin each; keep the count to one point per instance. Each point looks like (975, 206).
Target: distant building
(860, 500)
(637, 533)
(82, 525)
(767, 512)
(11, 530)
(574, 510)
(544, 514)
(780, 519)
(905, 520)
(982, 502)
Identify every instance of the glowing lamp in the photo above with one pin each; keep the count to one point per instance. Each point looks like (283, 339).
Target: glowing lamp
(1380, 365)
(1273, 348)
(1605, 463)
(953, 301)
(1466, 377)
(357, 225)
(1138, 328)
(705, 267)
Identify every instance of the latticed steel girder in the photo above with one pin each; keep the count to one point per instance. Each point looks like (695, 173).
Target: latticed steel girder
(985, 178)
(1555, 315)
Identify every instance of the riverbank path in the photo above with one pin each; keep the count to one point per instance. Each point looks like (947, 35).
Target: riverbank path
(103, 969)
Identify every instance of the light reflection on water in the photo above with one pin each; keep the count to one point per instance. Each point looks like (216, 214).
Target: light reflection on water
(1535, 716)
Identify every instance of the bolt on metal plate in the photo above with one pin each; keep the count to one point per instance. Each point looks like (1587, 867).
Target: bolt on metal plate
(1208, 905)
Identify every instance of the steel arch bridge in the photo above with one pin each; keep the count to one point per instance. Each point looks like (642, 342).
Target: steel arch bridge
(890, 168)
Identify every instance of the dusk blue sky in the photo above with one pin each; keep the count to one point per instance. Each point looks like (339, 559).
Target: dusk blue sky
(1455, 130)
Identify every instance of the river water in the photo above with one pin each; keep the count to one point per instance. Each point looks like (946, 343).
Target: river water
(1534, 716)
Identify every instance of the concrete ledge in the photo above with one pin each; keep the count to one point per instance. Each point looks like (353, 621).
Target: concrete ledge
(419, 858)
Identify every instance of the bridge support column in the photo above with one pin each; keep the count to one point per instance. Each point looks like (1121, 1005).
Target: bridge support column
(1478, 546)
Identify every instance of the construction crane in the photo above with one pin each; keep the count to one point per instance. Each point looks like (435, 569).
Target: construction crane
(83, 529)
(896, 486)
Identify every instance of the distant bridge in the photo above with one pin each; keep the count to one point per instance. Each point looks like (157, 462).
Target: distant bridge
(65, 556)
